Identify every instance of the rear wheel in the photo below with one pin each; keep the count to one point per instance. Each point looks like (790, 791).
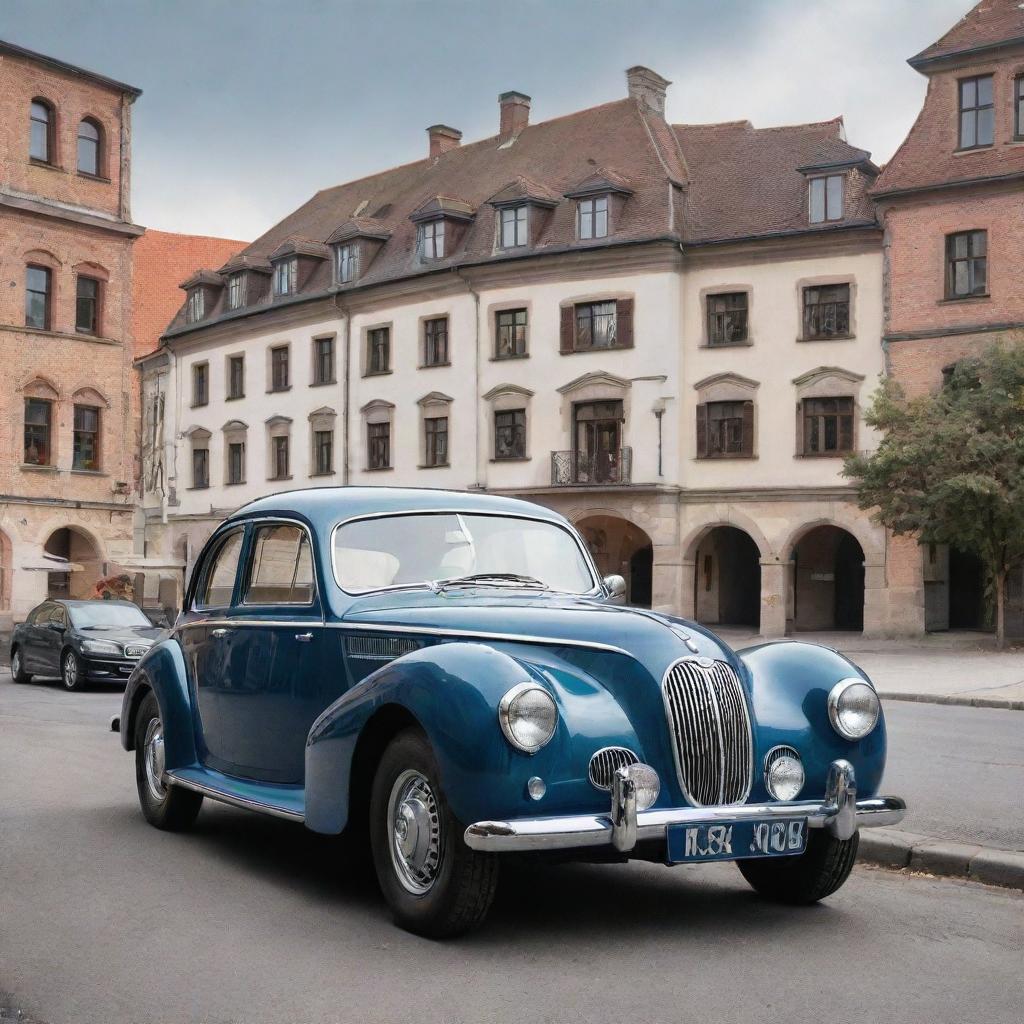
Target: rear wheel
(167, 807)
(18, 673)
(811, 876)
(70, 670)
(435, 884)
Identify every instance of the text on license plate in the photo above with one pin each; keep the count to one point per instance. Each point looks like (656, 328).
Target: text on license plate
(736, 840)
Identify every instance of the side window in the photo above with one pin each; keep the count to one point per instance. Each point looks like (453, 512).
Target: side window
(219, 582)
(282, 567)
(40, 615)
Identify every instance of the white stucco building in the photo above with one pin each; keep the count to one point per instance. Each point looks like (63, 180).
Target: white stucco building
(668, 333)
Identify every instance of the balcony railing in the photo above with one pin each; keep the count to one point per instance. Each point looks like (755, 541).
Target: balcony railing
(597, 469)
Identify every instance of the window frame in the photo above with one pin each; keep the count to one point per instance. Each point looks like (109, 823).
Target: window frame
(829, 215)
(346, 262)
(47, 427)
(94, 329)
(806, 417)
(372, 443)
(280, 355)
(243, 580)
(373, 334)
(591, 316)
(435, 336)
(518, 428)
(971, 260)
(819, 304)
(520, 226)
(47, 273)
(431, 235)
(319, 468)
(236, 360)
(229, 476)
(195, 305)
(975, 110)
(201, 588)
(196, 485)
(80, 433)
(286, 272)
(431, 436)
(319, 363)
(98, 150)
(200, 395)
(49, 131)
(514, 330)
(1018, 108)
(716, 319)
(237, 287)
(587, 214)
(276, 448)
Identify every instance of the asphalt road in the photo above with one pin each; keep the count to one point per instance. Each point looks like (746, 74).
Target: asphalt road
(250, 919)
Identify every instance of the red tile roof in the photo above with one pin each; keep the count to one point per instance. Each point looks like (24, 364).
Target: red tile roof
(988, 24)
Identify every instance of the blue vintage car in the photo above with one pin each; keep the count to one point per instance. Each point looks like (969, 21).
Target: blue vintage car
(448, 674)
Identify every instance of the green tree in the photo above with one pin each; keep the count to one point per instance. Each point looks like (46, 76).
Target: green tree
(950, 466)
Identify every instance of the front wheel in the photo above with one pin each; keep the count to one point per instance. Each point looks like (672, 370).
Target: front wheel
(808, 877)
(18, 673)
(167, 807)
(435, 884)
(70, 670)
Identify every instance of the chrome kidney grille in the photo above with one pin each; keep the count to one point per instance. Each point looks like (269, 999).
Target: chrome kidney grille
(710, 726)
(606, 762)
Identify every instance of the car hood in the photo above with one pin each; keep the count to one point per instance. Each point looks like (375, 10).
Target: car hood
(653, 639)
(123, 634)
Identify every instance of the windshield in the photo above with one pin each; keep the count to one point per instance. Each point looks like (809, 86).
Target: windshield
(103, 613)
(434, 547)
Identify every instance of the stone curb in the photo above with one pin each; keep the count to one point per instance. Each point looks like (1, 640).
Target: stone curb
(958, 699)
(891, 848)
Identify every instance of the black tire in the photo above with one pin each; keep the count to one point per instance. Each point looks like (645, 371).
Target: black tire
(816, 873)
(18, 673)
(71, 670)
(461, 887)
(170, 808)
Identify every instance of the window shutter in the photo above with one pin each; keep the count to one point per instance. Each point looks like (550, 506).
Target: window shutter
(702, 431)
(748, 428)
(568, 327)
(624, 323)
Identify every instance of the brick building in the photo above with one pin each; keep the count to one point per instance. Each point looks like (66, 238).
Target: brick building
(952, 204)
(66, 236)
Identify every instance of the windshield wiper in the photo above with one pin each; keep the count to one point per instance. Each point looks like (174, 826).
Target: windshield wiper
(495, 579)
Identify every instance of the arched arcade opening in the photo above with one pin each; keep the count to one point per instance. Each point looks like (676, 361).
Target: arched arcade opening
(78, 563)
(828, 580)
(727, 584)
(619, 546)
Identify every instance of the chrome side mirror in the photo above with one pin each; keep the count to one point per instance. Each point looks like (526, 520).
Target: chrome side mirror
(616, 587)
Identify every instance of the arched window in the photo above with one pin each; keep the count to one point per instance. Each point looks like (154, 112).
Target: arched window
(89, 135)
(41, 135)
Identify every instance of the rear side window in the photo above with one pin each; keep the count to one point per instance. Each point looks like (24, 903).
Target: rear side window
(220, 579)
(282, 567)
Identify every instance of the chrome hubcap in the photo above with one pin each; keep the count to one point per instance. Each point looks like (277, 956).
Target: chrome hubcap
(70, 670)
(415, 832)
(153, 755)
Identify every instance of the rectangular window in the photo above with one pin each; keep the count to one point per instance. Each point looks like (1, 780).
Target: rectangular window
(977, 112)
(725, 428)
(323, 452)
(966, 264)
(435, 341)
(236, 462)
(323, 360)
(279, 368)
(86, 441)
(236, 376)
(195, 306)
(431, 240)
(826, 198)
(286, 275)
(200, 468)
(435, 429)
(87, 305)
(727, 318)
(595, 325)
(236, 291)
(1018, 107)
(37, 297)
(378, 445)
(828, 425)
(200, 384)
(510, 434)
(593, 217)
(279, 457)
(827, 312)
(37, 432)
(282, 567)
(378, 350)
(514, 227)
(345, 263)
(510, 334)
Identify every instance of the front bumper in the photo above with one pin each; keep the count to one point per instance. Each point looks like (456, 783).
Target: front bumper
(100, 668)
(840, 812)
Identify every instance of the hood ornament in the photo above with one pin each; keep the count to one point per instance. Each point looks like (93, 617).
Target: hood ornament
(687, 639)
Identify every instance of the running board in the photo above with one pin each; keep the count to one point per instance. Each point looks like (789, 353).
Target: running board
(288, 802)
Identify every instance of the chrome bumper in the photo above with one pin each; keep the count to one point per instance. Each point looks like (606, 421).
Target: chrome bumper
(840, 812)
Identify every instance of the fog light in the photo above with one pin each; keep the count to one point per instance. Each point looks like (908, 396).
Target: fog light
(783, 773)
(536, 787)
(647, 783)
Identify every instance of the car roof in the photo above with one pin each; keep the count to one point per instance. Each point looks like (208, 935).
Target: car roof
(325, 506)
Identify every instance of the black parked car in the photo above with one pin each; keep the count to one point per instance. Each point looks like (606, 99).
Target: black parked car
(81, 641)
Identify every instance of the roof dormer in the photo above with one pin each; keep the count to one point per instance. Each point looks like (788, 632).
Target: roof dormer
(248, 278)
(203, 289)
(599, 200)
(522, 210)
(441, 224)
(294, 262)
(355, 245)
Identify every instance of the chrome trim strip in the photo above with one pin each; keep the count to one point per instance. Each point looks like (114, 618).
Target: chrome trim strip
(229, 798)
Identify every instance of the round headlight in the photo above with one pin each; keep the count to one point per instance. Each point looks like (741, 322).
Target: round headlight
(647, 783)
(783, 773)
(853, 708)
(528, 717)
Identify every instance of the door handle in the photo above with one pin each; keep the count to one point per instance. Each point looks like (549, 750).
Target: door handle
(304, 637)
(220, 631)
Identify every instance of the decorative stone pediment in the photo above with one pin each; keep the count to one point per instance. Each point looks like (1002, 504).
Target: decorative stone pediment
(435, 398)
(376, 404)
(279, 421)
(234, 425)
(196, 433)
(727, 378)
(510, 390)
(828, 381)
(87, 395)
(324, 412)
(600, 378)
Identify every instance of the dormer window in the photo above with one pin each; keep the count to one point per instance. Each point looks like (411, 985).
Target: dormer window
(592, 217)
(195, 307)
(825, 198)
(286, 276)
(430, 242)
(236, 291)
(345, 263)
(514, 226)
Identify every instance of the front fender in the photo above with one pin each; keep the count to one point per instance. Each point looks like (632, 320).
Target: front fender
(790, 683)
(452, 691)
(162, 670)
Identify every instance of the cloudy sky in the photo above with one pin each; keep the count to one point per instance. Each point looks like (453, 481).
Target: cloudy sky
(250, 106)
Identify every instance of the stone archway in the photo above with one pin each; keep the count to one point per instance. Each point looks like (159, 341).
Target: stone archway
(728, 578)
(827, 580)
(621, 547)
(84, 561)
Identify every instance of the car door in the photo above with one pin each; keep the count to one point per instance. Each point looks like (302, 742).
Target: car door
(52, 641)
(32, 634)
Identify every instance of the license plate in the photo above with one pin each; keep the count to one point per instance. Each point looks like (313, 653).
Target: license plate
(736, 840)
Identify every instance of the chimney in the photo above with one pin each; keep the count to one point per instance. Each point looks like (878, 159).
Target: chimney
(648, 88)
(515, 113)
(443, 138)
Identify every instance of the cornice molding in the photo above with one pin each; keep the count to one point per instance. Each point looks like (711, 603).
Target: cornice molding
(58, 211)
